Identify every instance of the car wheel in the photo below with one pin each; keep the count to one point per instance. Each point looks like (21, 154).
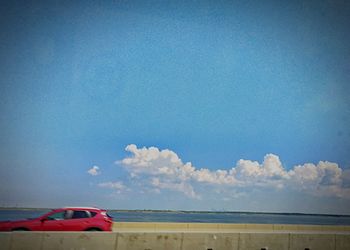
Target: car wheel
(93, 229)
(20, 229)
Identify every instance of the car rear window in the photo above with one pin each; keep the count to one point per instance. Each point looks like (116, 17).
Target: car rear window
(80, 214)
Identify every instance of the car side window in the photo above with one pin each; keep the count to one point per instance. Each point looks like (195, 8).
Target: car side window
(68, 214)
(80, 214)
(56, 216)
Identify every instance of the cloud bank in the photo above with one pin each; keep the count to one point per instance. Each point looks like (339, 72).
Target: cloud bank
(164, 170)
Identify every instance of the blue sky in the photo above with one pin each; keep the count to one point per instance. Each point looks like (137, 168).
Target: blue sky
(209, 105)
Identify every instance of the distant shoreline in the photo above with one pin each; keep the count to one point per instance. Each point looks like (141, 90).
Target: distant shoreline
(184, 211)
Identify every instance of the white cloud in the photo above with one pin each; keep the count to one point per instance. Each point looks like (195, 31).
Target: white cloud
(324, 179)
(163, 169)
(94, 171)
(151, 161)
(183, 187)
(346, 178)
(118, 186)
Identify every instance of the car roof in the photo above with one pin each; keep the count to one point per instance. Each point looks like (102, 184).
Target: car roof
(82, 208)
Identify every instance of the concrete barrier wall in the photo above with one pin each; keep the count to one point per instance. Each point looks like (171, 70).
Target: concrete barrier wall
(342, 242)
(5, 240)
(184, 227)
(250, 241)
(171, 241)
(204, 241)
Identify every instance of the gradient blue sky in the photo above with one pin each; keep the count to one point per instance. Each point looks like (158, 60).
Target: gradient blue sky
(212, 81)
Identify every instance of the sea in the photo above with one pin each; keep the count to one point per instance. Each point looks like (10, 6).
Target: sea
(197, 217)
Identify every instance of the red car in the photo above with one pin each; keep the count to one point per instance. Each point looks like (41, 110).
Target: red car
(64, 219)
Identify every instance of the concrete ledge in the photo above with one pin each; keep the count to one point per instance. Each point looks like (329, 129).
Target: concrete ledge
(171, 241)
(215, 227)
(183, 236)
(314, 241)
(5, 240)
(26, 240)
(342, 241)
(149, 241)
(200, 241)
(250, 241)
(78, 240)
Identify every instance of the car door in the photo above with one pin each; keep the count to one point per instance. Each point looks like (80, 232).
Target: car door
(78, 221)
(54, 221)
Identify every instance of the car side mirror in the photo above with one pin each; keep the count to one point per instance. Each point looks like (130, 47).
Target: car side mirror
(44, 219)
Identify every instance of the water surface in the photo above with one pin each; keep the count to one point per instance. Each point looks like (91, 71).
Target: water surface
(199, 217)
